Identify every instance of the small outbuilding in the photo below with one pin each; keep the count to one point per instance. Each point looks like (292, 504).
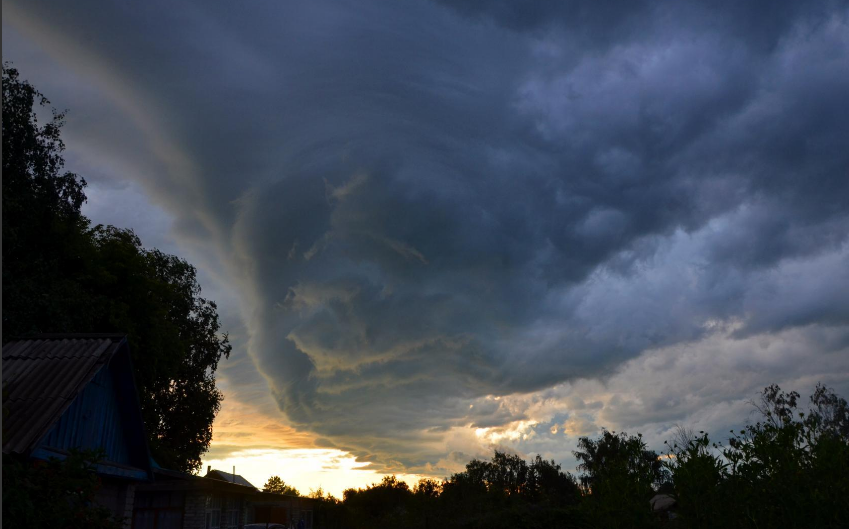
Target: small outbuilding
(76, 391)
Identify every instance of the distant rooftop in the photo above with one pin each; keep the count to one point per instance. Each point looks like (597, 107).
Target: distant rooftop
(228, 477)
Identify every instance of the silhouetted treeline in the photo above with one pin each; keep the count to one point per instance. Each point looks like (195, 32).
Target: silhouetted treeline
(789, 469)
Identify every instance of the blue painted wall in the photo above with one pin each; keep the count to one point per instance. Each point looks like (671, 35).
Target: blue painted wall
(93, 421)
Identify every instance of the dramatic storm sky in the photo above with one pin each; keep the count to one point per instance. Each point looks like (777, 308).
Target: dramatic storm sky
(434, 228)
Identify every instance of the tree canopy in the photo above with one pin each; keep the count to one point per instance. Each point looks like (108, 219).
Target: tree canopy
(61, 274)
(788, 469)
(277, 486)
(620, 475)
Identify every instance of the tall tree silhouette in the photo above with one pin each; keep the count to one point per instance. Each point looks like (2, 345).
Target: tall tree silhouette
(619, 477)
(60, 274)
(278, 486)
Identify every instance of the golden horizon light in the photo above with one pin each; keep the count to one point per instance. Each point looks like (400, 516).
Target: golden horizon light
(306, 469)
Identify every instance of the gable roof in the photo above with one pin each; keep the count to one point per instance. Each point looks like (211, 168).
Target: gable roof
(43, 375)
(228, 477)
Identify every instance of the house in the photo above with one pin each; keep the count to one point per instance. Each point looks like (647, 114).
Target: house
(177, 500)
(77, 391)
(278, 508)
(218, 500)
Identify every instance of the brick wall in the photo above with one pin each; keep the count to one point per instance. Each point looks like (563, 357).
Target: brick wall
(194, 516)
(127, 500)
(118, 497)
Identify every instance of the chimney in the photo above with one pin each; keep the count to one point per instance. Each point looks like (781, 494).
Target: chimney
(234, 473)
(208, 469)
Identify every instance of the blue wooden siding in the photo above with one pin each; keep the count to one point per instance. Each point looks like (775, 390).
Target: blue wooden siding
(93, 421)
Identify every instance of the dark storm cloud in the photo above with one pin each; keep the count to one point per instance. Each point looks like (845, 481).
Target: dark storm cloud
(428, 204)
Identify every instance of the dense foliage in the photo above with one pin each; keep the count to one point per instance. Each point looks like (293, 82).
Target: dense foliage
(277, 486)
(620, 475)
(60, 274)
(790, 469)
(54, 493)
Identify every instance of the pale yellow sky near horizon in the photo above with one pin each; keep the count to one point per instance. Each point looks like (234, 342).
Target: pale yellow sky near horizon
(306, 469)
(260, 445)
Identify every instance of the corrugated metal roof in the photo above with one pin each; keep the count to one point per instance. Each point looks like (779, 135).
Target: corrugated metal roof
(42, 376)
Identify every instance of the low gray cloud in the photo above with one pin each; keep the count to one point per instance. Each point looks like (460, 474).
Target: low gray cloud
(420, 206)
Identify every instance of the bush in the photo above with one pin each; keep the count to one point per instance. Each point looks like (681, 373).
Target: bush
(54, 493)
